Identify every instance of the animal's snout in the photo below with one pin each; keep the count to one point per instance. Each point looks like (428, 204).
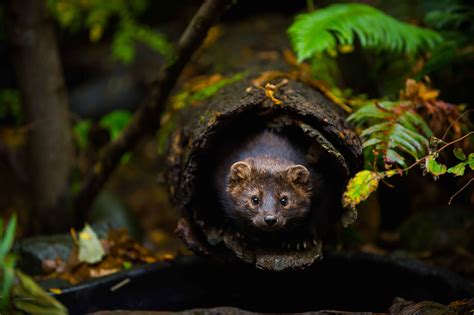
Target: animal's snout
(270, 220)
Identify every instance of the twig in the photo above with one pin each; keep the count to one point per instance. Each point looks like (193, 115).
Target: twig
(437, 151)
(460, 190)
(456, 120)
(147, 117)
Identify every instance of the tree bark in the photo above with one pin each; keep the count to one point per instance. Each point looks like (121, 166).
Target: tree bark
(147, 117)
(39, 75)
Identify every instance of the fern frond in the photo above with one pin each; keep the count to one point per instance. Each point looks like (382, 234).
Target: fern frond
(391, 131)
(338, 24)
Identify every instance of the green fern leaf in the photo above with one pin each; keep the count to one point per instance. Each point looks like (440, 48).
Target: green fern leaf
(339, 24)
(393, 157)
(391, 131)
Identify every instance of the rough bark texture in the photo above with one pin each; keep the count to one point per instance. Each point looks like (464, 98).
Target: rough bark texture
(40, 79)
(147, 117)
(241, 108)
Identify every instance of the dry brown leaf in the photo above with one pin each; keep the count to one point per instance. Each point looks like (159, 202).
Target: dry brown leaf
(267, 76)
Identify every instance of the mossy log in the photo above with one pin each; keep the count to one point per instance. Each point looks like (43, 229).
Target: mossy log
(306, 117)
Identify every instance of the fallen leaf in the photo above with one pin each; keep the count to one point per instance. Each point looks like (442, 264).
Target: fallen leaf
(90, 248)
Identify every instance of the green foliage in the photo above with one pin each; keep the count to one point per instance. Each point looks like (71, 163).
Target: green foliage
(10, 105)
(337, 25)
(433, 167)
(30, 298)
(96, 17)
(115, 122)
(460, 168)
(455, 22)
(129, 32)
(81, 132)
(391, 131)
(366, 182)
(7, 260)
(436, 169)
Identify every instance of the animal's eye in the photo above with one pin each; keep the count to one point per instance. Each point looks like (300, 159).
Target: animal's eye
(255, 200)
(284, 201)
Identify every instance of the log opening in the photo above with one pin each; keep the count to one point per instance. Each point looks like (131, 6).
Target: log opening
(309, 121)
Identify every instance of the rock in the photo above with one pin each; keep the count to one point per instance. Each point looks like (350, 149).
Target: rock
(33, 251)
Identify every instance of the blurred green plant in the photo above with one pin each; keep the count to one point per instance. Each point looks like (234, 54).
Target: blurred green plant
(10, 109)
(81, 132)
(19, 294)
(7, 261)
(455, 21)
(115, 122)
(30, 298)
(336, 27)
(96, 16)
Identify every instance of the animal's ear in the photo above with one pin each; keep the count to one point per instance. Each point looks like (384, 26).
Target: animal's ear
(240, 171)
(298, 174)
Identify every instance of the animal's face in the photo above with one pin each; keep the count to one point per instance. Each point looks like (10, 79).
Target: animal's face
(269, 200)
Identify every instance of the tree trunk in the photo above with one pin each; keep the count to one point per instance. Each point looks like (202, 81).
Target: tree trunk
(39, 75)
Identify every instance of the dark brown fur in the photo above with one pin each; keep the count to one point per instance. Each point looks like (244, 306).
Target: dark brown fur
(269, 168)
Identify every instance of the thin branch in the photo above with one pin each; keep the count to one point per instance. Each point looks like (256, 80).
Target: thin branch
(437, 151)
(455, 121)
(147, 117)
(460, 190)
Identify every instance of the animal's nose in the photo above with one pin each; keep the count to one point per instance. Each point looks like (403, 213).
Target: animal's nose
(270, 220)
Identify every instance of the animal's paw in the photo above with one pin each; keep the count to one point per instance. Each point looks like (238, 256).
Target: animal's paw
(300, 245)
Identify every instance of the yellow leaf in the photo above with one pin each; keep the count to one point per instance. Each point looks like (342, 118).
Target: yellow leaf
(360, 187)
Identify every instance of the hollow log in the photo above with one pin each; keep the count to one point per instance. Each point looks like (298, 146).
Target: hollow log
(301, 113)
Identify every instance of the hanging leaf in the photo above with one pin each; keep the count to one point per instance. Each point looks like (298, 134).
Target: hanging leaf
(90, 248)
(458, 152)
(457, 170)
(360, 187)
(470, 161)
(433, 167)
